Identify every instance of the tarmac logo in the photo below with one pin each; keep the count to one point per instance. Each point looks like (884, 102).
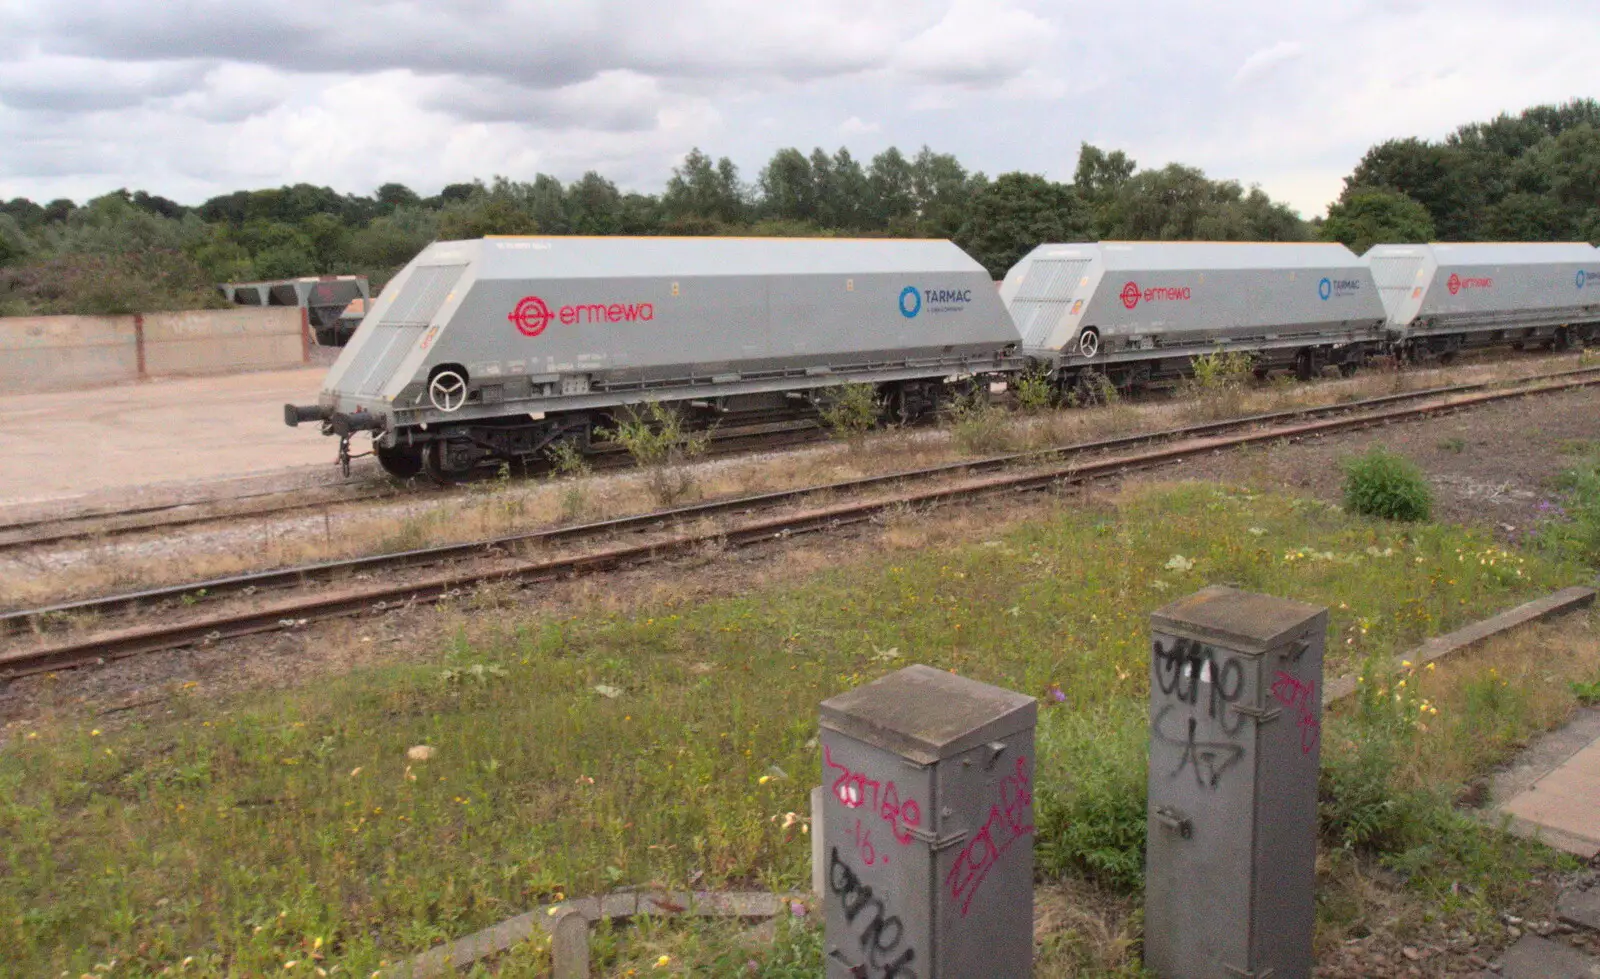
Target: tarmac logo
(910, 302)
(1131, 294)
(1328, 288)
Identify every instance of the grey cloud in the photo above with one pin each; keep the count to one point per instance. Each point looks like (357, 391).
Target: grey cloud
(77, 85)
(611, 101)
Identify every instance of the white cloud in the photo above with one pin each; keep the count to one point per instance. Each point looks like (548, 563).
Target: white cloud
(1265, 60)
(853, 126)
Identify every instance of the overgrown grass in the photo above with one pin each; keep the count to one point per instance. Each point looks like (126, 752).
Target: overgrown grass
(1572, 526)
(610, 749)
(1388, 485)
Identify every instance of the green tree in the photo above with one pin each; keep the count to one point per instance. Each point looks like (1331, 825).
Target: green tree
(594, 205)
(1366, 216)
(891, 192)
(941, 191)
(485, 215)
(787, 189)
(1018, 212)
(701, 189)
(391, 196)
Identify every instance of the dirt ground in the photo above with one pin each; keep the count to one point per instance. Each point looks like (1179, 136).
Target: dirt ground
(101, 447)
(1491, 466)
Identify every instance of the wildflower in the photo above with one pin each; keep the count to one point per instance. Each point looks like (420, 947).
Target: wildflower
(1055, 694)
(355, 771)
(1405, 664)
(33, 735)
(763, 780)
(420, 752)
(1179, 563)
(663, 962)
(1430, 667)
(96, 732)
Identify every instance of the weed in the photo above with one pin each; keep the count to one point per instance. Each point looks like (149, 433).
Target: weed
(1385, 484)
(1036, 390)
(1456, 445)
(1217, 381)
(977, 425)
(1574, 529)
(661, 444)
(1587, 692)
(851, 411)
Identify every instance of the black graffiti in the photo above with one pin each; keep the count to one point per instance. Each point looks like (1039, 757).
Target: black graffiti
(1215, 757)
(1181, 669)
(880, 935)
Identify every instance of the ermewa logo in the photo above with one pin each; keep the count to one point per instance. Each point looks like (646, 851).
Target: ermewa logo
(1458, 284)
(1131, 294)
(532, 315)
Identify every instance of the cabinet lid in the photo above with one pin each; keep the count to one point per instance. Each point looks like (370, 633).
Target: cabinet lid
(925, 715)
(1239, 620)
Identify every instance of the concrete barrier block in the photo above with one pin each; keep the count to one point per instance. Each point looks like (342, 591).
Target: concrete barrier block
(215, 341)
(40, 353)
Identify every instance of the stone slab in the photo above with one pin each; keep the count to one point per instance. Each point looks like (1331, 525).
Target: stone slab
(1552, 791)
(1580, 908)
(1533, 957)
(1561, 602)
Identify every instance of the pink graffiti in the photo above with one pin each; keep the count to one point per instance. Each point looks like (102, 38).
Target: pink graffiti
(1006, 825)
(855, 790)
(1296, 694)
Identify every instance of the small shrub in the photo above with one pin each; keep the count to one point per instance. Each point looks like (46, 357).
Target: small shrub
(979, 426)
(851, 412)
(1385, 484)
(1036, 390)
(661, 445)
(1456, 445)
(1217, 380)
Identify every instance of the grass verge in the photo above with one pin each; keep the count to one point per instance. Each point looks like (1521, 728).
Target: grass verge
(667, 745)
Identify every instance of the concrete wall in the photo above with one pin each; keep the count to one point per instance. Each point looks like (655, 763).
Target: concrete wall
(221, 341)
(41, 353)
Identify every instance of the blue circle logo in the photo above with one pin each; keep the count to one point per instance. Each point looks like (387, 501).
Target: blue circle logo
(910, 302)
(1582, 278)
(1325, 289)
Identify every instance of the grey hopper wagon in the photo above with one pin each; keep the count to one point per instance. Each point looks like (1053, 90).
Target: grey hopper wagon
(496, 349)
(1141, 311)
(1441, 298)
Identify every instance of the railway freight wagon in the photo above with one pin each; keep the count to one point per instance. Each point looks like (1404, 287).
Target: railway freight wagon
(1441, 298)
(1138, 312)
(497, 349)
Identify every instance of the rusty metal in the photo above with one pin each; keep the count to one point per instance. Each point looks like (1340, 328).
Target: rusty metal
(289, 614)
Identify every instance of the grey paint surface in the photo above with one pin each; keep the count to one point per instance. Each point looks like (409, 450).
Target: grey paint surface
(1148, 296)
(927, 823)
(587, 315)
(1235, 719)
(1442, 288)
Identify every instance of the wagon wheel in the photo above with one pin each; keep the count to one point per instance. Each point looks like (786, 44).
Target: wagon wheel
(401, 462)
(447, 390)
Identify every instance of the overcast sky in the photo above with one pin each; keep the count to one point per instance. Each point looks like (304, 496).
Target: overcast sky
(191, 98)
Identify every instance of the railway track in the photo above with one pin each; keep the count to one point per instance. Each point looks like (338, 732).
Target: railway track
(1017, 472)
(41, 532)
(35, 532)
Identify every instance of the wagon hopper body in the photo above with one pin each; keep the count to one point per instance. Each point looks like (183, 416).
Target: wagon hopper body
(496, 348)
(1140, 311)
(1441, 298)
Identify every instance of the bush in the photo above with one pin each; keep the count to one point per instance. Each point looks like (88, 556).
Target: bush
(978, 426)
(1384, 484)
(851, 412)
(1036, 390)
(661, 445)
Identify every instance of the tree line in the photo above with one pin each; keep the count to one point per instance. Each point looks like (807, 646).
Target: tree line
(1535, 176)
